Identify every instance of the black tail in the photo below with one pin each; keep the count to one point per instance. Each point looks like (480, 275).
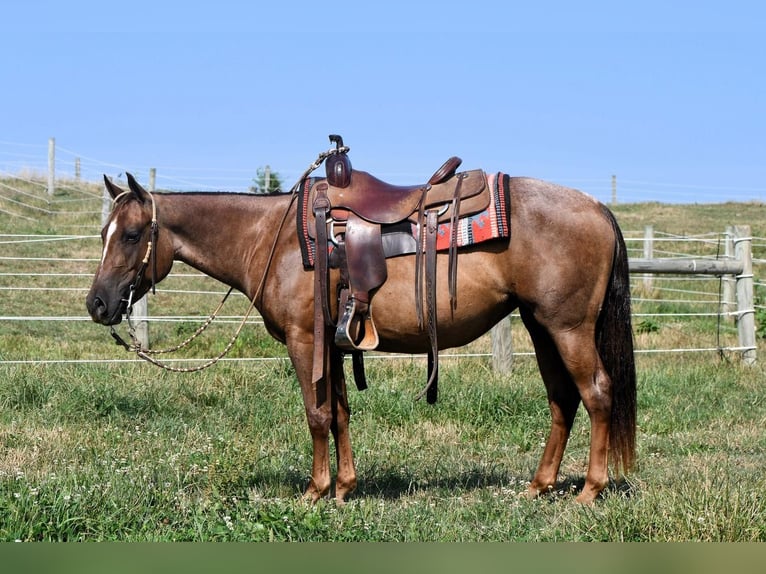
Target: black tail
(614, 338)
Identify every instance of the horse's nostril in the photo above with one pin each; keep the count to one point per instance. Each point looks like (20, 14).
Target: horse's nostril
(97, 307)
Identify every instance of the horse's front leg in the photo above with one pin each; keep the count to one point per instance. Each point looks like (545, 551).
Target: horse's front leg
(346, 480)
(319, 417)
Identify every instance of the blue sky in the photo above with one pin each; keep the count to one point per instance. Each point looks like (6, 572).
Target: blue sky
(668, 96)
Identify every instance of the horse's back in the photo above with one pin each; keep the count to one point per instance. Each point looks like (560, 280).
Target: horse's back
(539, 206)
(558, 260)
(562, 248)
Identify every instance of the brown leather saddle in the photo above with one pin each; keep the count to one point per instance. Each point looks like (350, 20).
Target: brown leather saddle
(353, 215)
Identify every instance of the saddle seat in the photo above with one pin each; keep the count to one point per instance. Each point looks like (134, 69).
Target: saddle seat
(380, 202)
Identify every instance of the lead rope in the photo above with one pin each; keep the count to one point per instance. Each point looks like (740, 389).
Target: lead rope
(146, 354)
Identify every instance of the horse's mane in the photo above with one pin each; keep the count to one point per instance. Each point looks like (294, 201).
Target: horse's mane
(223, 192)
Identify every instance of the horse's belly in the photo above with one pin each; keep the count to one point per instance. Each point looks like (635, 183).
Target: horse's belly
(400, 332)
(483, 298)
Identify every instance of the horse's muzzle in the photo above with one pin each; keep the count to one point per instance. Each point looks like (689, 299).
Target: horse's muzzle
(101, 313)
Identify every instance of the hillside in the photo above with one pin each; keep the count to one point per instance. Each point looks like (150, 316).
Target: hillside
(692, 218)
(22, 199)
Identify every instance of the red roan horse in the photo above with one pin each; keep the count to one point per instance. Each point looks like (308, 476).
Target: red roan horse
(565, 268)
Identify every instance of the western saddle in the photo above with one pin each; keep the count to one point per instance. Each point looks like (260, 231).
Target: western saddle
(358, 222)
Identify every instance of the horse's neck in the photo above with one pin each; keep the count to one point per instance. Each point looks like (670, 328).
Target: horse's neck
(222, 235)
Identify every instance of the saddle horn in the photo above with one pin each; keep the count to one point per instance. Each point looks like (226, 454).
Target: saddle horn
(337, 165)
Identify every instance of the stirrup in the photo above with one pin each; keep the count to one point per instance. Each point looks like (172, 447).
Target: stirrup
(356, 331)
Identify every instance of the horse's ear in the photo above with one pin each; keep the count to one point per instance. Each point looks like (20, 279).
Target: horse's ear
(139, 192)
(113, 190)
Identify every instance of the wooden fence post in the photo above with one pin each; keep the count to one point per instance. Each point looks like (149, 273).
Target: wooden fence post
(141, 307)
(728, 304)
(745, 300)
(502, 347)
(51, 166)
(648, 254)
(741, 267)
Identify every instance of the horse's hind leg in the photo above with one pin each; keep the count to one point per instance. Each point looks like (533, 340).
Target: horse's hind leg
(563, 401)
(578, 352)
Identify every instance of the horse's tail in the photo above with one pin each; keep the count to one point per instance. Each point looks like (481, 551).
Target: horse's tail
(614, 337)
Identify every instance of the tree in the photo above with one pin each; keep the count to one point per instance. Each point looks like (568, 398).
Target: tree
(260, 186)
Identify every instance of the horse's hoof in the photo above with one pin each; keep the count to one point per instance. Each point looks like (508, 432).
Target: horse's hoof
(311, 496)
(586, 498)
(533, 491)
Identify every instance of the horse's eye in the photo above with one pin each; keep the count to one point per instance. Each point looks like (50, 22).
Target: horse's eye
(132, 236)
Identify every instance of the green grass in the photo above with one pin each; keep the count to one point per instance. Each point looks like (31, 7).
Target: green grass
(129, 453)
(124, 451)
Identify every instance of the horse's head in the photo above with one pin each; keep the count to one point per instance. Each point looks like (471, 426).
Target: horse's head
(132, 254)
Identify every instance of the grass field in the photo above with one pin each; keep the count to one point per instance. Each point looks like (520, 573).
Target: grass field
(124, 451)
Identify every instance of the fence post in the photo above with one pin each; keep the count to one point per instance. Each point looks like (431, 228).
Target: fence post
(502, 347)
(745, 301)
(51, 165)
(141, 307)
(728, 305)
(648, 254)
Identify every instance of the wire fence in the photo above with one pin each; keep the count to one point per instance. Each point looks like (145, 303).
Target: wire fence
(36, 290)
(44, 277)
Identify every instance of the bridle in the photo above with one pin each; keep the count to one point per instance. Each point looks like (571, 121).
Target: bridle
(151, 252)
(135, 345)
(150, 258)
(151, 255)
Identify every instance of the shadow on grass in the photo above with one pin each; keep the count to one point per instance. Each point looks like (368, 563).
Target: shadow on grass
(396, 484)
(574, 484)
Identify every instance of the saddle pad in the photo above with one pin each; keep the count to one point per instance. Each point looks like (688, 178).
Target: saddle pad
(492, 223)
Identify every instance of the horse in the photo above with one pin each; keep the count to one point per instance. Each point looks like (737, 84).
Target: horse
(564, 268)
